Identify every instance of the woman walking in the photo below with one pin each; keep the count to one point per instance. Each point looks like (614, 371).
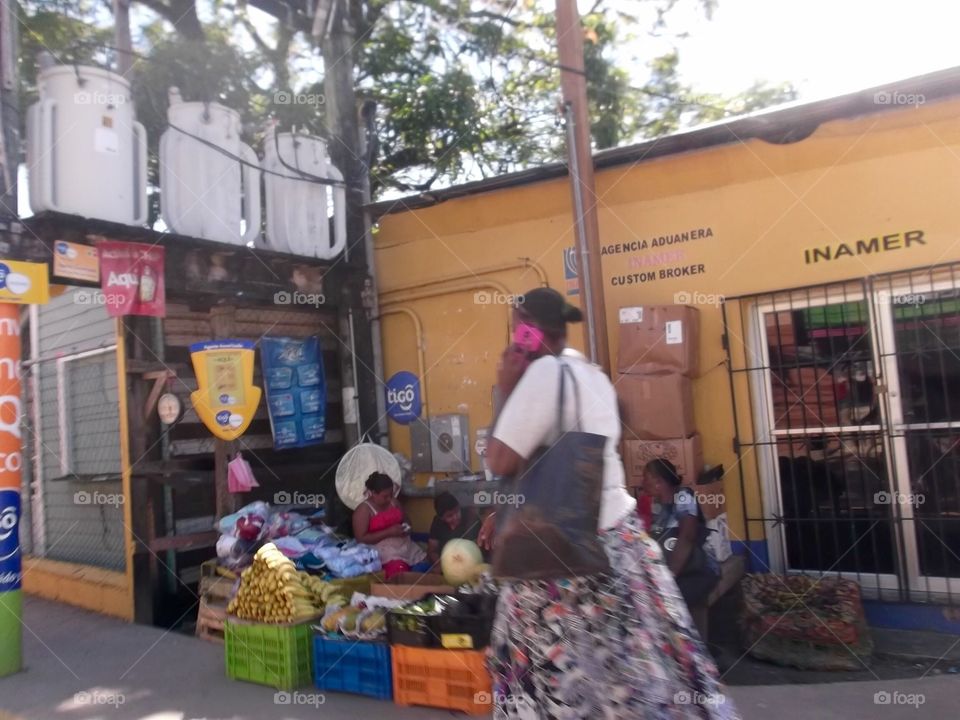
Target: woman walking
(617, 643)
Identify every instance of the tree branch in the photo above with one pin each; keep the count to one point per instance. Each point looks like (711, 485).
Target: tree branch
(182, 14)
(254, 35)
(498, 17)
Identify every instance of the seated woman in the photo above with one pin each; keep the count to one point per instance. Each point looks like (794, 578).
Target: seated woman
(379, 521)
(680, 529)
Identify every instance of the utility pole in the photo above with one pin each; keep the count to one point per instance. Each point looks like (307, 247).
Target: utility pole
(334, 31)
(10, 110)
(573, 82)
(121, 36)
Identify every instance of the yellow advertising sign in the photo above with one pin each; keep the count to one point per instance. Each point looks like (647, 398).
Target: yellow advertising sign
(225, 399)
(73, 261)
(24, 283)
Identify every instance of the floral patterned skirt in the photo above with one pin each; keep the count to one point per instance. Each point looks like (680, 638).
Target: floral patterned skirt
(606, 647)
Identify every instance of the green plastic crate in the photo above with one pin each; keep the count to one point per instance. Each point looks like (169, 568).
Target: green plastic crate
(280, 656)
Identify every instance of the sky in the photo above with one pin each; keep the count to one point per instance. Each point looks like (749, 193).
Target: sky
(823, 47)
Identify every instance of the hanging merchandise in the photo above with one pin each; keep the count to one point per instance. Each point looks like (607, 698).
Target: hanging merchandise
(296, 391)
(225, 399)
(168, 408)
(131, 276)
(355, 467)
(240, 476)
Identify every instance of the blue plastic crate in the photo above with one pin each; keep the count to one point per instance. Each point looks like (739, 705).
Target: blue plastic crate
(342, 665)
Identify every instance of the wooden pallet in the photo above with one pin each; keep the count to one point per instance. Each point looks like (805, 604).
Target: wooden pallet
(210, 619)
(216, 583)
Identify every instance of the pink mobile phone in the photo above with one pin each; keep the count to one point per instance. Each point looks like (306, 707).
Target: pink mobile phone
(528, 337)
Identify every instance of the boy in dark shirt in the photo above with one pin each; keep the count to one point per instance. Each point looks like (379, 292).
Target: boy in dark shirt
(451, 522)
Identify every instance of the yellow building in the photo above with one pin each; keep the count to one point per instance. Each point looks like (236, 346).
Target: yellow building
(819, 243)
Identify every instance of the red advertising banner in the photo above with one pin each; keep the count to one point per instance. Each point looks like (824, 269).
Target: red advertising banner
(131, 276)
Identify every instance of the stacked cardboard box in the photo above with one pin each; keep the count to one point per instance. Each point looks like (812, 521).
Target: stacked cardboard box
(658, 356)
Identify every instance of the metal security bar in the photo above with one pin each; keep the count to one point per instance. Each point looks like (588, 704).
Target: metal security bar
(847, 405)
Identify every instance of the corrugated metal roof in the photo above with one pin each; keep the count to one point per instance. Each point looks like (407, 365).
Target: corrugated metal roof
(781, 124)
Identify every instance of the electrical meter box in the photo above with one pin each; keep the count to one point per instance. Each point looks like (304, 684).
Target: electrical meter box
(441, 444)
(420, 455)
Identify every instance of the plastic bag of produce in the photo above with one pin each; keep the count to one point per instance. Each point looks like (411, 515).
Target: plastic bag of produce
(371, 624)
(330, 622)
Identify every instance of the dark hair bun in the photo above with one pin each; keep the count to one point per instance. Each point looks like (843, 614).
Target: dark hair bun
(378, 482)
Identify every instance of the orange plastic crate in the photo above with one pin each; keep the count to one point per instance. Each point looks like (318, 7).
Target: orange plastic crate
(449, 679)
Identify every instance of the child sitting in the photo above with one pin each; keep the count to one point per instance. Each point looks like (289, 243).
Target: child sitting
(451, 522)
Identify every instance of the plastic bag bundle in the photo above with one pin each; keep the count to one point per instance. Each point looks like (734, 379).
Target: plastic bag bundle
(346, 567)
(290, 546)
(283, 524)
(247, 523)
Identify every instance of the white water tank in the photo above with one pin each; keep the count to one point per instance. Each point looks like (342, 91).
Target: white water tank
(86, 153)
(208, 192)
(298, 207)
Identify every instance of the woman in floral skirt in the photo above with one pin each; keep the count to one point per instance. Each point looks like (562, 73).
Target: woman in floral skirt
(612, 646)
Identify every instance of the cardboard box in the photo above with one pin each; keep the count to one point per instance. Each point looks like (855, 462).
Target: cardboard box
(711, 498)
(411, 586)
(656, 407)
(655, 338)
(685, 453)
(718, 538)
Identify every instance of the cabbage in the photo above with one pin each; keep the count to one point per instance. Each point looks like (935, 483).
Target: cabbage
(460, 562)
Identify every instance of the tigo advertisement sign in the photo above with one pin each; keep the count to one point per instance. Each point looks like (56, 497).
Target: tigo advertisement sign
(9, 539)
(225, 399)
(72, 261)
(24, 283)
(11, 454)
(403, 397)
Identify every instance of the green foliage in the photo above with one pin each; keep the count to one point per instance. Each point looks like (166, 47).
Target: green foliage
(59, 29)
(463, 89)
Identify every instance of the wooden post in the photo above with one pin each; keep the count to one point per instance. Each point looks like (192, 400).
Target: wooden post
(121, 35)
(223, 322)
(10, 110)
(144, 501)
(346, 152)
(574, 85)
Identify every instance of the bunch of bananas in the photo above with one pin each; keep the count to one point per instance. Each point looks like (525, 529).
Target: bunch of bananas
(271, 590)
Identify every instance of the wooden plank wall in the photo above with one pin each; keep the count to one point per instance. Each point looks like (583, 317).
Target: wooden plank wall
(299, 469)
(308, 471)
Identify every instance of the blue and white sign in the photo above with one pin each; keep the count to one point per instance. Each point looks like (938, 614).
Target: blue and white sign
(296, 391)
(9, 540)
(403, 397)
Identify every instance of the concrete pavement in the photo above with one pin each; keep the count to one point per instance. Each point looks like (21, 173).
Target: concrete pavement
(81, 666)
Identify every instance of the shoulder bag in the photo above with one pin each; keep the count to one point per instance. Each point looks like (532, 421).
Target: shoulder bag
(551, 530)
